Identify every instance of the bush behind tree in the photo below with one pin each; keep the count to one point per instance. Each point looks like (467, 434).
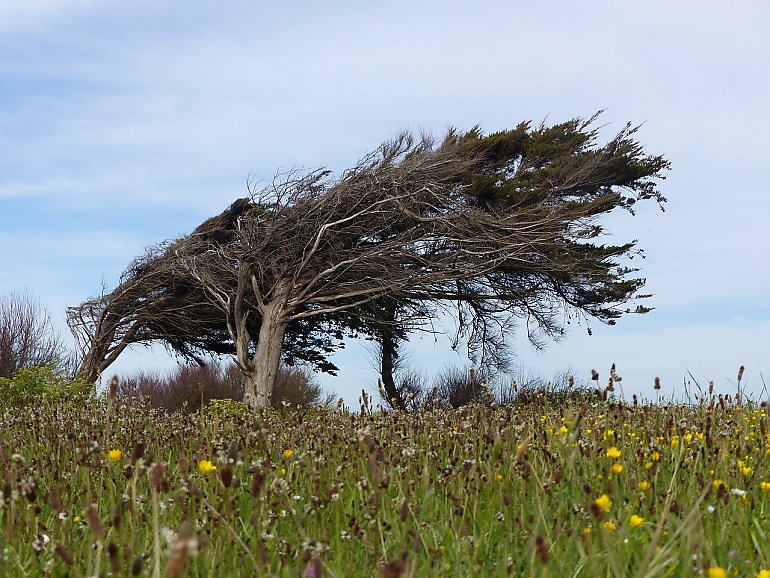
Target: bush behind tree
(189, 386)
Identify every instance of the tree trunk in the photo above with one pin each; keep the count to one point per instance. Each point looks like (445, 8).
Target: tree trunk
(388, 346)
(263, 366)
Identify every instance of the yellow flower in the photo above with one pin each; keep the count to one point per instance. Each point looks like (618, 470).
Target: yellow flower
(115, 455)
(763, 574)
(635, 521)
(609, 526)
(206, 467)
(765, 488)
(563, 429)
(586, 530)
(717, 572)
(617, 468)
(644, 485)
(675, 441)
(717, 484)
(604, 502)
(655, 456)
(613, 453)
(498, 477)
(746, 470)
(288, 454)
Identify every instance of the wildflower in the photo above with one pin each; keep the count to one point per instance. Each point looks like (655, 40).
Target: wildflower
(499, 478)
(609, 526)
(644, 485)
(563, 429)
(655, 456)
(717, 572)
(617, 468)
(115, 455)
(635, 521)
(587, 530)
(604, 502)
(675, 442)
(717, 484)
(206, 467)
(746, 470)
(287, 454)
(763, 574)
(613, 453)
(765, 486)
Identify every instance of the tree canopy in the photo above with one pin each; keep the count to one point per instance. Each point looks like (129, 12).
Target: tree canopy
(504, 226)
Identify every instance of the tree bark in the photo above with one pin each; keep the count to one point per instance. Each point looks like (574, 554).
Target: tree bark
(261, 370)
(388, 357)
(388, 345)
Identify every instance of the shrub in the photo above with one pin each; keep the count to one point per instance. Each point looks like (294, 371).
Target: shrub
(188, 387)
(27, 336)
(458, 387)
(35, 385)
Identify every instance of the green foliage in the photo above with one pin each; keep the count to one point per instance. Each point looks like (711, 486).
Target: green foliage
(226, 408)
(35, 385)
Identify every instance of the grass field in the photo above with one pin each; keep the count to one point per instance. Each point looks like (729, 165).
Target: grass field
(562, 486)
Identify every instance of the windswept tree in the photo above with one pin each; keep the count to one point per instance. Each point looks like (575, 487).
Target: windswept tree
(577, 276)
(505, 225)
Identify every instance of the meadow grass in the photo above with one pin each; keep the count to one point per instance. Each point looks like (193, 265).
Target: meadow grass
(584, 487)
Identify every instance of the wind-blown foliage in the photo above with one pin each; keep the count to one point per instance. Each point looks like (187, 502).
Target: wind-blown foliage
(504, 225)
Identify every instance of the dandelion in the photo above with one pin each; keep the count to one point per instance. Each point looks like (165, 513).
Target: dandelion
(613, 453)
(287, 454)
(604, 502)
(717, 572)
(115, 455)
(617, 468)
(609, 526)
(635, 521)
(206, 467)
(644, 485)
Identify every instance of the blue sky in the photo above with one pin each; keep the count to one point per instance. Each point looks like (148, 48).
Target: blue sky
(126, 123)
